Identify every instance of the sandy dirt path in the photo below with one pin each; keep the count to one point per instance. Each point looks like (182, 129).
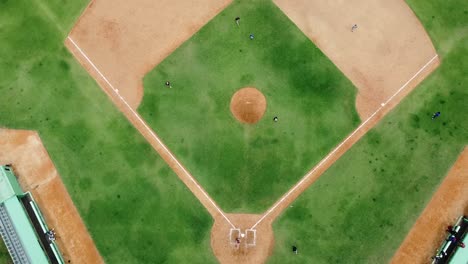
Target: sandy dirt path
(36, 173)
(387, 47)
(448, 203)
(126, 39)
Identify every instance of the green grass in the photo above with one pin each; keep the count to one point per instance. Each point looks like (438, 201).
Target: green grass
(134, 206)
(361, 209)
(4, 255)
(139, 212)
(245, 168)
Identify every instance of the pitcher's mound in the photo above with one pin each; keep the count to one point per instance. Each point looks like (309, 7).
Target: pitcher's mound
(248, 105)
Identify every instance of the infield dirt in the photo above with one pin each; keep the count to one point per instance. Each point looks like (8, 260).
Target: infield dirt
(36, 173)
(228, 253)
(388, 46)
(126, 39)
(448, 203)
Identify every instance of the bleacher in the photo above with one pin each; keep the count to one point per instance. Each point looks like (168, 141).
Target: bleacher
(22, 227)
(10, 238)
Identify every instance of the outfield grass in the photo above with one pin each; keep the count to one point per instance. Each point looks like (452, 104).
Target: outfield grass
(245, 168)
(361, 209)
(4, 255)
(134, 206)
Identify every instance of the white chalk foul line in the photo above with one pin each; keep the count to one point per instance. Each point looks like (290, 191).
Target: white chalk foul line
(151, 132)
(306, 177)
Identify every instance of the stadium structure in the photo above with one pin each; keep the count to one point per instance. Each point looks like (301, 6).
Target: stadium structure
(22, 227)
(453, 250)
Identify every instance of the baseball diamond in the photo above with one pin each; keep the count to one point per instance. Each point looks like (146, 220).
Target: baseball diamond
(229, 131)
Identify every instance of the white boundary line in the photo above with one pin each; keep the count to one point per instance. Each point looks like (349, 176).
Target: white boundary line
(254, 231)
(341, 144)
(152, 133)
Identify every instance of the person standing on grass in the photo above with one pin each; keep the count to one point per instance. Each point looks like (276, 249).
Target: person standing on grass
(168, 84)
(237, 19)
(294, 249)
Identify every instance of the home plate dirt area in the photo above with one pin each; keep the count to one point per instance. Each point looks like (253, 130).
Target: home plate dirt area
(385, 56)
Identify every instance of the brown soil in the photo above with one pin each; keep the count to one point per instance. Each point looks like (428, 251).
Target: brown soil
(126, 39)
(228, 253)
(449, 202)
(36, 173)
(388, 47)
(248, 105)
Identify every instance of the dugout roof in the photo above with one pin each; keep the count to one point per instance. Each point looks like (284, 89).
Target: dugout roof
(15, 228)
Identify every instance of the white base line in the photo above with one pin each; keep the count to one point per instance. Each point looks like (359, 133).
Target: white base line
(341, 144)
(151, 132)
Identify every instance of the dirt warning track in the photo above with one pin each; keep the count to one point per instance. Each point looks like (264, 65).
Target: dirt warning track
(36, 173)
(448, 203)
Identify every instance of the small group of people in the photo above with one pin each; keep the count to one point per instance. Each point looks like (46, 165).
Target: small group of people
(453, 237)
(50, 235)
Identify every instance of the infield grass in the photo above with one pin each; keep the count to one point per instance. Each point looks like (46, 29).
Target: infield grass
(246, 168)
(361, 209)
(135, 207)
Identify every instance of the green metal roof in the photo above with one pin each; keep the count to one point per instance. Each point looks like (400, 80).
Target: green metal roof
(24, 230)
(8, 184)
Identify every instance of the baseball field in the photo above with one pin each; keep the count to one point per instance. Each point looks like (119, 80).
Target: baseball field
(231, 160)
(159, 172)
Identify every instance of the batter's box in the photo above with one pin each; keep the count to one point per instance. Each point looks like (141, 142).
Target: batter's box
(234, 234)
(251, 237)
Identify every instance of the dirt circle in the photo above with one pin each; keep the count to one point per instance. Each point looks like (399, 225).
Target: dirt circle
(248, 105)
